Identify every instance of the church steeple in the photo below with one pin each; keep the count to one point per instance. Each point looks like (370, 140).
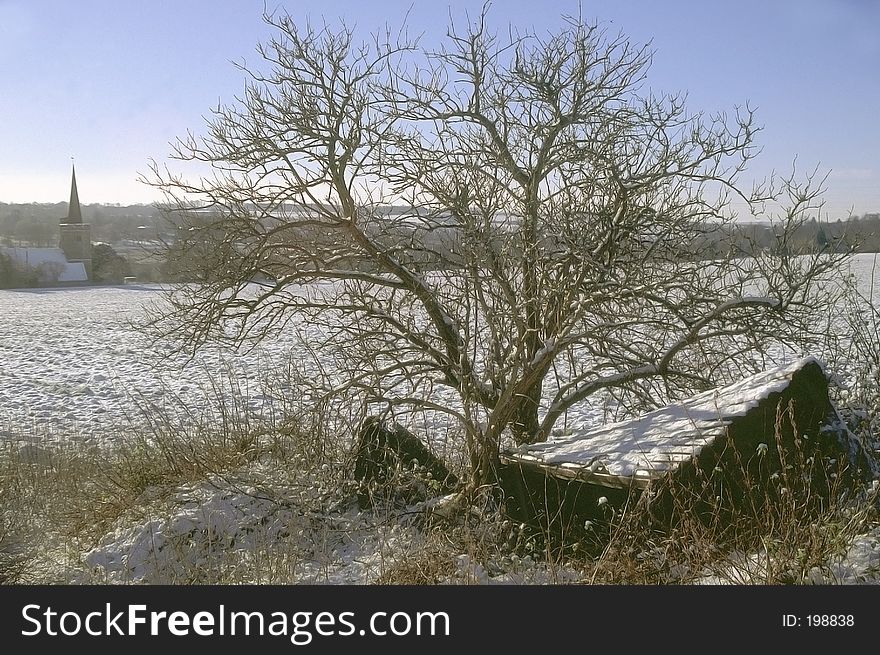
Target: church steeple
(74, 213)
(76, 236)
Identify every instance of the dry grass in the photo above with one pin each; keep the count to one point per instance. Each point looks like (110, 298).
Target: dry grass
(58, 500)
(61, 501)
(786, 527)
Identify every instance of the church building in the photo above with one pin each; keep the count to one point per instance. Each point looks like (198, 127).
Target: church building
(71, 261)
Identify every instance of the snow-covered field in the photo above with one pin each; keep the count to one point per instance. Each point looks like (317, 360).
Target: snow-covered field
(72, 366)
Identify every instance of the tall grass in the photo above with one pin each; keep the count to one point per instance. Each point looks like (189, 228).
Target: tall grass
(60, 499)
(787, 522)
(285, 482)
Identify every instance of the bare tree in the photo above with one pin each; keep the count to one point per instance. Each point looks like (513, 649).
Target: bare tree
(497, 230)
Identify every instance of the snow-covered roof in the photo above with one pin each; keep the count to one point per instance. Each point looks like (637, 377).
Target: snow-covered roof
(635, 451)
(35, 257)
(74, 272)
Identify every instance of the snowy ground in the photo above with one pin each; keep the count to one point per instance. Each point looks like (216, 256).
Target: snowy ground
(72, 366)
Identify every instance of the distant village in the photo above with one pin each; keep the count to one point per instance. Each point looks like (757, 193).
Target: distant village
(66, 244)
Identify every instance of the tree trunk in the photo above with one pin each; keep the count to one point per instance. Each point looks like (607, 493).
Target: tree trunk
(525, 421)
(484, 461)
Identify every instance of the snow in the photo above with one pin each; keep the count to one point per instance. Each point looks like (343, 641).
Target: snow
(209, 529)
(858, 564)
(660, 440)
(72, 366)
(71, 363)
(546, 349)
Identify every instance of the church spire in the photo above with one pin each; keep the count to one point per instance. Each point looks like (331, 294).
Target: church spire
(74, 213)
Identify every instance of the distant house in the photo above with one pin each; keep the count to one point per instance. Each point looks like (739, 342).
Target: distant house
(71, 261)
(49, 265)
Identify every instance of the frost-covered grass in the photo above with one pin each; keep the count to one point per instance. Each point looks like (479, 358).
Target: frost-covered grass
(159, 505)
(272, 506)
(275, 504)
(798, 524)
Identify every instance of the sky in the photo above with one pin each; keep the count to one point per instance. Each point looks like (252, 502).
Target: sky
(113, 82)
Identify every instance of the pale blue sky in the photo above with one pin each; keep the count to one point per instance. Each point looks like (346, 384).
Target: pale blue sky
(111, 82)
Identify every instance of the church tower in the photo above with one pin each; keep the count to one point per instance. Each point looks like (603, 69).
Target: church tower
(76, 236)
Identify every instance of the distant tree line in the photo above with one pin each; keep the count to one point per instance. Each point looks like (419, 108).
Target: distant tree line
(856, 234)
(37, 224)
(129, 240)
